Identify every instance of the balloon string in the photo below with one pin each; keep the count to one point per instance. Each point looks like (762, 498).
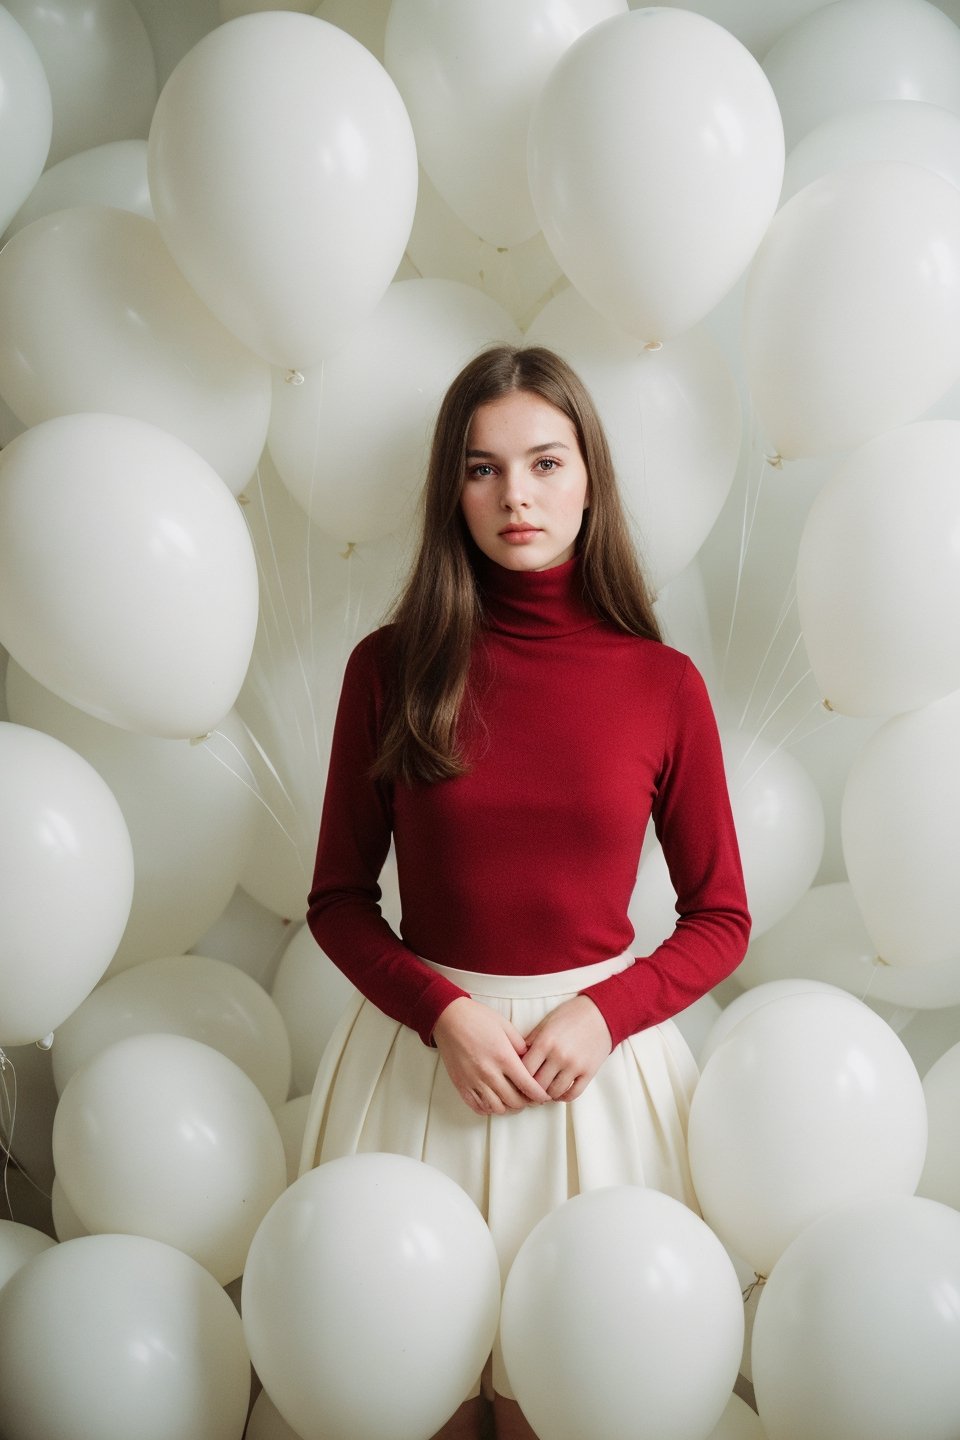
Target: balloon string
(786, 605)
(746, 531)
(770, 718)
(254, 789)
(8, 1119)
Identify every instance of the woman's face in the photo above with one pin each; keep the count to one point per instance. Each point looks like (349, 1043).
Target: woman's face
(526, 485)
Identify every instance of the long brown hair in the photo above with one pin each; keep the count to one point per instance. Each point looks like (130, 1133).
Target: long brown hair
(438, 613)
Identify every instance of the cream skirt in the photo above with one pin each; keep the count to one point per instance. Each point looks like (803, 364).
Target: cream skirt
(379, 1088)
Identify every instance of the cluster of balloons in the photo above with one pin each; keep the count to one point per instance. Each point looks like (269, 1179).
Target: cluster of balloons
(245, 247)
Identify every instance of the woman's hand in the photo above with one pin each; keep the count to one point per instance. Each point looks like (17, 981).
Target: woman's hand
(482, 1054)
(567, 1048)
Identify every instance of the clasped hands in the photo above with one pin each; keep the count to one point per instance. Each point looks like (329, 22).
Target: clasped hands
(495, 1069)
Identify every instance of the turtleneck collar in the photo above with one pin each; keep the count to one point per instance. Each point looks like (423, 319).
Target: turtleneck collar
(535, 604)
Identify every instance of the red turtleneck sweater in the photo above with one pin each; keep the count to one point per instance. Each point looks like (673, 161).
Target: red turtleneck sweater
(526, 864)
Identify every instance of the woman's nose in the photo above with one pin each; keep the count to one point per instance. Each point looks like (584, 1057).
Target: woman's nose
(514, 494)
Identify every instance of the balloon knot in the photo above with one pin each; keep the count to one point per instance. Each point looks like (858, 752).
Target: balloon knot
(879, 960)
(827, 706)
(199, 739)
(243, 499)
(293, 377)
(46, 1043)
(351, 546)
(775, 461)
(653, 345)
(755, 1284)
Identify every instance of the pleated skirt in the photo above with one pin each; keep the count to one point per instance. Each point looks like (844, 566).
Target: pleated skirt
(379, 1088)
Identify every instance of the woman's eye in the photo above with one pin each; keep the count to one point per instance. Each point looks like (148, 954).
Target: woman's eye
(547, 463)
(479, 472)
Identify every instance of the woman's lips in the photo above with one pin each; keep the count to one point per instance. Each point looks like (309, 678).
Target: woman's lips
(519, 534)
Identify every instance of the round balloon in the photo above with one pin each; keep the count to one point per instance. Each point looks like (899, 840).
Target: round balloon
(655, 162)
(916, 134)
(26, 117)
(851, 321)
(66, 881)
(112, 174)
(876, 570)
(856, 1330)
(811, 1103)
(901, 828)
(192, 995)
(355, 479)
(603, 1268)
(752, 1000)
(117, 1335)
(94, 315)
(128, 583)
(311, 995)
(160, 1135)
(941, 1170)
(384, 1248)
(18, 1244)
(283, 175)
(470, 77)
(672, 417)
(843, 55)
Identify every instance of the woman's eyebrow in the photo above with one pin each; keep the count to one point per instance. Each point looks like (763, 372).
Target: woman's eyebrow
(534, 450)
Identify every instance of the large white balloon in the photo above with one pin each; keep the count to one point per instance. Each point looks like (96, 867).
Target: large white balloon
(128, 583)
(283, 174)
(112, 174)
(26, 117)
(824, 938)
(856, 1332)
(878, 585)
(66, 882)
(114, 1336)
(18, 1244)
(470, 76)
(602, 1270)
(192, 995)
(672, 417)
(359, 480)
(916, 134)
(94, 315)
(189, 809)
(370, 1299)
(851, 320)
(311, 995)
(655, 161)
(811, 1103)
(161, 1135)
(901, 835)
(854, 51)
(99, 62)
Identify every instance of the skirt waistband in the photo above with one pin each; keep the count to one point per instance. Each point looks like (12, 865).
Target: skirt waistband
(516, 987)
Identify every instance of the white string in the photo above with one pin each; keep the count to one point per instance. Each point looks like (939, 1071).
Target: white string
(746, 529)
(786, 605)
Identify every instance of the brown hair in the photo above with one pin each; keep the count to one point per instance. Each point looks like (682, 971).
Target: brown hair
(438, 613)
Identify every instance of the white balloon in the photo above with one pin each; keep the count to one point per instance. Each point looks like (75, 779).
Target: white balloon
(66, 882)
(756, 26)
(145, 568)
(672, 417)
(602, 1269)
(99, 62)
(95, 316)
(311, 995)
(655, 161)
(189, 810)
(18, 1244)
(877, 569)
(112, 174)
(470, 76)
(856, 1330)
(738, 1422)
(26, 117)
(114, 1336)
(162, 1136)
(780, 826)
(266, 1422)
(811, 1103)
(752, 1000)
(356, 480)
(851, 321)
(854, 51)
(941, 1171)
(283, 174)
(380, 1249)
(824, 938)
(247, 935)
(916, 134)
(901, 835)
(192, 995)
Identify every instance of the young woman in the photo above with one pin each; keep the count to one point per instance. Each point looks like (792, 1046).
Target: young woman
(512, 731)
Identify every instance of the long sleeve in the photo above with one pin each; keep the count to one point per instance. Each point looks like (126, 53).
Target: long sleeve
(355, 828)
(694, 823)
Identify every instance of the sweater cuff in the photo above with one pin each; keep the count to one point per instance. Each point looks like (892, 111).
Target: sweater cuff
(431, 1004)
